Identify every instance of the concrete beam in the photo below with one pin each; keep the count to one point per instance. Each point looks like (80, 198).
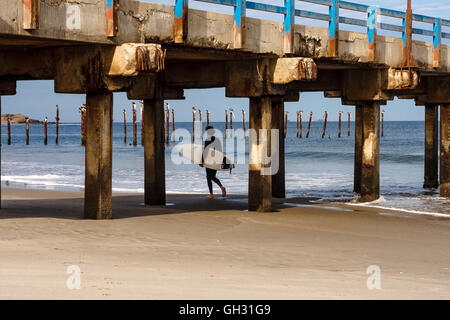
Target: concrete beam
(33, 64)
(365, 85)
(332, 94)
(7, 88)
(444, 187)
(287, 70)
(431, 146)
(98, 68)
(98, 172)
(152, 87)
(259, 182)
(195, 75)
(326, 80)
(256, 78)
(377, 85)
(438, 90)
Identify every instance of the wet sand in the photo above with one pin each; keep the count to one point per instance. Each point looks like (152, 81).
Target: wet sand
(196, 248)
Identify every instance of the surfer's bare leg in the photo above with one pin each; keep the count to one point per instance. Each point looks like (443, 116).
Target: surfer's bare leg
(209, 177)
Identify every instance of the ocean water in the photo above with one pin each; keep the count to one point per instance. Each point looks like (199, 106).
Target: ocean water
(315, 167)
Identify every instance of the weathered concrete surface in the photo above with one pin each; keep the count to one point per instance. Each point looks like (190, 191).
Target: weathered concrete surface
(444, 186)
(376, 84)
(259, 185)
(97, 68)
(279, 178)
(358, 149)
(98, 164)
(155, 172)
(84, 21)
(431, 146)
(370, 158)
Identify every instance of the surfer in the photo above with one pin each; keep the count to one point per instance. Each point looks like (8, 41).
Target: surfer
(211, 142)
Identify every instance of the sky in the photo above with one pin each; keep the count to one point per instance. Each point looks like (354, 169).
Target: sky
(37, 99)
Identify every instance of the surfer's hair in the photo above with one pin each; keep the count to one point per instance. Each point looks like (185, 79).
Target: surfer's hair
(209, 127)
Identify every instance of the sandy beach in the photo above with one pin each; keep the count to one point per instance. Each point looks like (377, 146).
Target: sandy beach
(196, 248)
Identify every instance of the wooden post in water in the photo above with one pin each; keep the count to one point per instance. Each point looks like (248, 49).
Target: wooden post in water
(226, 123)
(45, 130)
(339, 126)
(9, 130)
(382, 123)
(193, 123)
(82, 111)
(134, 125)
(231, 121)
(142, 122)
(173, 124)
(167, 123)
(348, 123)
(27, 130)
(285, 123)
(298, 129)
(243, 120)
(124, 126)
(207, 117)
(57, 124)
(200, 119)
(301, 123)
(324, 125)
(309, 124)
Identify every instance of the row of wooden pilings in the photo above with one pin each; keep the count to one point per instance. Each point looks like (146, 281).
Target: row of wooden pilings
(229, 115)
(27, 129)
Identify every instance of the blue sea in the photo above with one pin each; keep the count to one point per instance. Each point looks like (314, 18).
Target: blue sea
(315, 167)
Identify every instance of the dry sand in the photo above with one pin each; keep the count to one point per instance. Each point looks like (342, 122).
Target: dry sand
(188, 251)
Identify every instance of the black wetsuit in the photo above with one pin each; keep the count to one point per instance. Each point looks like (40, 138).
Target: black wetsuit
(211, 173)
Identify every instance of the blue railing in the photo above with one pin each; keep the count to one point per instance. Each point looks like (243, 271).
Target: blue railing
(333, 18)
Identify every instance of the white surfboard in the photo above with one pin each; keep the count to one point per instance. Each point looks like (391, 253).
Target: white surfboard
(212, 159)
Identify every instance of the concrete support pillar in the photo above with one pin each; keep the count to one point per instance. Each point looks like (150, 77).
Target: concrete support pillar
(358, 149)
(98, 172)
(155, 175)
(279, 179)
(259, 185)
(0, 155)
(370, 159)
(444, 187)
(431, 146)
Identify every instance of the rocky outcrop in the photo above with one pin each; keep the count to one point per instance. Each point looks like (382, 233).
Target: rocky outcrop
(17, 118)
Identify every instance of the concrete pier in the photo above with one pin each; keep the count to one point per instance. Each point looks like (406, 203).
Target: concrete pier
(431, 146)
(370, 156)
(88, 58)
(278, 179)
(155, 175)
(259, 186)
(444, 187)
(358, 149)
(98, 175)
